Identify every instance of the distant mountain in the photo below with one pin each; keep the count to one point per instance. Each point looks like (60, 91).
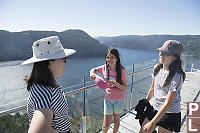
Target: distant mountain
(18, 45)
(150, 42)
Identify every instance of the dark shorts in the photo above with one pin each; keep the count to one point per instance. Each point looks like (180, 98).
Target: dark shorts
(170, 121)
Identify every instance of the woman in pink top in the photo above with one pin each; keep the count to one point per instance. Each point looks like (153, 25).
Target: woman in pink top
(115, 76)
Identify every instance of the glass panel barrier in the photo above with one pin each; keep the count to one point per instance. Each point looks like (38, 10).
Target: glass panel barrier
(129, 68)
(88, 103)
(13, 88)
(14, 123)
(145, 64)
(94, 109)
(95, 98)
(13, 98)
(76, 110)
(189, 63)
(141, 85)
(71, 82)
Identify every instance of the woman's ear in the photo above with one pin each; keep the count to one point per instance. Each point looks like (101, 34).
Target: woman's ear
(51, 62)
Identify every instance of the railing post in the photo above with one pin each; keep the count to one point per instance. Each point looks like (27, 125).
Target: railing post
(133, 69)
(84, 124)
(192, 67)
(84, 114)
(4, 94)
(84, 95)
(184, 63)
(131, 94)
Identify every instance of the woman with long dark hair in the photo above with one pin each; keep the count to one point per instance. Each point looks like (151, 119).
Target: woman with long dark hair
(115, 82)
(168, 77)
(47, 106)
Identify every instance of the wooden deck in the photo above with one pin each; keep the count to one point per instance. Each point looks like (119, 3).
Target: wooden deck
(190, 92)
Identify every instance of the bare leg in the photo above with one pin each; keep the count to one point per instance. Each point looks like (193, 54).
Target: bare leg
(116, 122)
(163, 130)
(106, 123)
(144, 122)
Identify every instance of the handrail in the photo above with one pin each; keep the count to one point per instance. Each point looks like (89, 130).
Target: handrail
(141, 70)
(23, 107)
(13, 110)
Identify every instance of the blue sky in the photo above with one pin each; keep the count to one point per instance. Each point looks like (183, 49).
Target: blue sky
(103, 17)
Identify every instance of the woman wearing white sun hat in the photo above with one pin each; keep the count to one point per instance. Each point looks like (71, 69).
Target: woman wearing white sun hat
(47, 107)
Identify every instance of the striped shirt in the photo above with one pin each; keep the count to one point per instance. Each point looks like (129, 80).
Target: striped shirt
(47, 97)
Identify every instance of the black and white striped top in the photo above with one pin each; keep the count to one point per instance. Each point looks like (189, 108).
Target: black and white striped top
(47, 97)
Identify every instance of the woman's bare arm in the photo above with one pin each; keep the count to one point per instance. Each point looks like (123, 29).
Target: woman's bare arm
(151, 91)
(41, 121)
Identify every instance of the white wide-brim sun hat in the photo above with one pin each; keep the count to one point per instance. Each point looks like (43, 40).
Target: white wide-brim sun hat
(47, 49)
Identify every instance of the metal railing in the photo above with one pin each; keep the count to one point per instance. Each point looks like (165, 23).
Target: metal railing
(70, 93)
(133, 75)
(192, 68)
(136, 74)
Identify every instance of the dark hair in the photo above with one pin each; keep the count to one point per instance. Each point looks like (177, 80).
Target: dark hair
(174, 67)
(119, 67)
(40, 74)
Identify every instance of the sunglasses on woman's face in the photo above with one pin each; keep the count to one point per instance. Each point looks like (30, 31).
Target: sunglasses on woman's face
(65, 59)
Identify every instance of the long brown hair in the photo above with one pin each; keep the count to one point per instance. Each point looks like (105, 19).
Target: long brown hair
(119, 67)
(174, 67)
(40, 74)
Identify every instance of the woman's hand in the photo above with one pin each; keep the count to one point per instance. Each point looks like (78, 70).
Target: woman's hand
(149, 127)
(93, 73)
(93, 76)
(112, 82)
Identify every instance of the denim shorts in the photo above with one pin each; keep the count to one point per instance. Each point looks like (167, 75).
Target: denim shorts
(113, 106)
